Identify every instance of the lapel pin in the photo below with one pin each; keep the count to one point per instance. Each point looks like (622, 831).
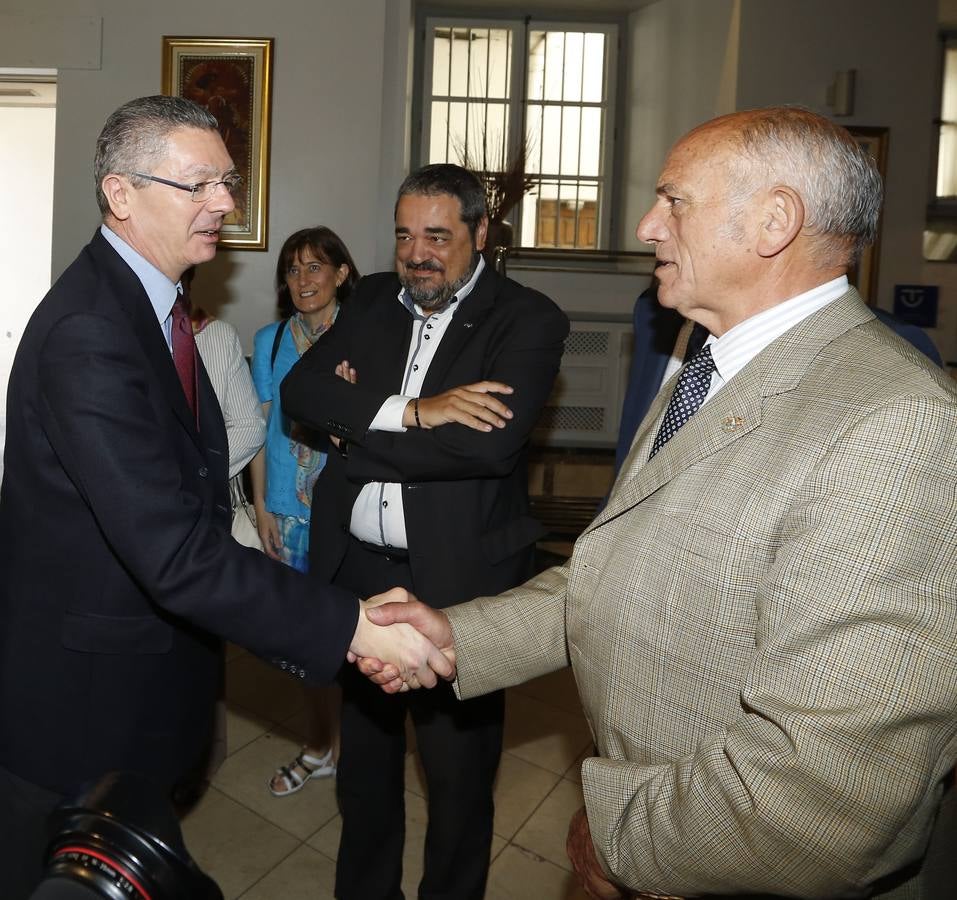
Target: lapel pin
(731, 423)
(466, 324)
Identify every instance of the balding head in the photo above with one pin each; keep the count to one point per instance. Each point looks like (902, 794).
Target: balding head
(757, 207)
(837, 181)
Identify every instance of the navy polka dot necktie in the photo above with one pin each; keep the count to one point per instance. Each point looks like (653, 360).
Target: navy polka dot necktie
(693, 385)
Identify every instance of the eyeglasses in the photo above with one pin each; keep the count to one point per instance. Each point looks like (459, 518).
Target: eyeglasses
(199, 193)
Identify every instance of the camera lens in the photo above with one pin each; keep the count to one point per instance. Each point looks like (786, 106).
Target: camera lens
(121, 840)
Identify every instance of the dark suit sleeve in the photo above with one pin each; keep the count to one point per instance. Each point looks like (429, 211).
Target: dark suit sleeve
(654, 330)
(313, 395)
(912, 333)
(148, 491)
(525, 355)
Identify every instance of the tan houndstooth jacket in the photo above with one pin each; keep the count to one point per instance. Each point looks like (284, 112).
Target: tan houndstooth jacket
(762, 625)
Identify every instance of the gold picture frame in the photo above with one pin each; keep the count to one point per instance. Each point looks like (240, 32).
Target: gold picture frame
(873, 141)
(232, 78)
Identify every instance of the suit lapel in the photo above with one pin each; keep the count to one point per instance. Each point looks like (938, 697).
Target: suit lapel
(131, 297)
(475, 307)
(372, 343)
(727, 418)
(734, 412)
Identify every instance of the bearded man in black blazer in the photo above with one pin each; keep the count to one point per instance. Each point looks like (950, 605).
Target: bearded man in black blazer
(118, 572)
(430, 384)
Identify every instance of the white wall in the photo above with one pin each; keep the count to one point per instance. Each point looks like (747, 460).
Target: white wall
(790, 52)
(26, 198)
(683, 70)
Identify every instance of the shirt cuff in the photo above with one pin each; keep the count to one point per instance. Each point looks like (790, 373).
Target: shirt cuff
(389, 416)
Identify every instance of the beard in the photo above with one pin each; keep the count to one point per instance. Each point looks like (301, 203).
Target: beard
(436, 297)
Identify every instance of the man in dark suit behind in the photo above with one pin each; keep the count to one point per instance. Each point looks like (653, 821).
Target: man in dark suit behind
(443, 368)
(118, 571)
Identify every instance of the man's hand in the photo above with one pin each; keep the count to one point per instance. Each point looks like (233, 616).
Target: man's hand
(414, 659)
(346, 372)
(470, 404)
(432, 623)
(581, 851)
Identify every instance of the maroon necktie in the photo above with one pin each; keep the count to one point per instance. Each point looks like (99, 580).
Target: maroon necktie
(184, 353)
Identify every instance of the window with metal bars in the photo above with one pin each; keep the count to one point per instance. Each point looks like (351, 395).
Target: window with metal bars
(530, 107)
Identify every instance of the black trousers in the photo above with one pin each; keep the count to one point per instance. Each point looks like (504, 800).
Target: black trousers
(24, 808)
(459, 743)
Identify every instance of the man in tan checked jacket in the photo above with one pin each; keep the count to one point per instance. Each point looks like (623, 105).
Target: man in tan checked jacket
(762, 622)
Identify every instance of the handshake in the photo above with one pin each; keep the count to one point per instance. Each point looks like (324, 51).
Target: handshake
(401, 643)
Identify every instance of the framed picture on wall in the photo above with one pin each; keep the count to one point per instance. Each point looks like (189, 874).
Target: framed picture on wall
(232, 78)
(864, 275)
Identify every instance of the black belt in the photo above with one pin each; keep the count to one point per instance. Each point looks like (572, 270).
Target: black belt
(396, 553)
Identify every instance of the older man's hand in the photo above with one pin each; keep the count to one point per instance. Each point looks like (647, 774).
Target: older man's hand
(581, 852)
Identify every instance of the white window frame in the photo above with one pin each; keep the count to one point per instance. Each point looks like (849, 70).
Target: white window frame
(942, 202)
(518, 101)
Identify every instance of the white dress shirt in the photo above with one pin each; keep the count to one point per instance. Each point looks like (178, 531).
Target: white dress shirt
(738, 346)
(378, 516)
(161, 291)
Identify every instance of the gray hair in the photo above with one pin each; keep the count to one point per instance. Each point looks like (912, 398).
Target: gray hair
(134, 138)
(837, 180)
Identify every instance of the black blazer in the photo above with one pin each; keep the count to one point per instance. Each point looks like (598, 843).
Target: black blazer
(464, 492)
(118, 570)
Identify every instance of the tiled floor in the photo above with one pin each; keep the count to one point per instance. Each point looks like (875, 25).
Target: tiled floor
(258, 847)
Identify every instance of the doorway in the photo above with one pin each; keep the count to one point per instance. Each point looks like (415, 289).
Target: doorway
(27, 134)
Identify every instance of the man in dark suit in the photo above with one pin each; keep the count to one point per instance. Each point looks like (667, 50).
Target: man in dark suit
(118, 571)
(659, 338)
(443, 368)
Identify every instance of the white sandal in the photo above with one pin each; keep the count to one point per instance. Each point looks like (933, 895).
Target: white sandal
(313, 766)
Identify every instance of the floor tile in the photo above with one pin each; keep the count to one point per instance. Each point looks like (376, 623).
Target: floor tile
(303, 875)
(557, 689)
(245, 774)
(574, 771)
(415, 775)
(519, 789)
(258, 846)
(263, 689)
(543, 734)
(326, 841)
(498, 845)
(243, 727)
(519, 875)
(232, 844)
(545, 831)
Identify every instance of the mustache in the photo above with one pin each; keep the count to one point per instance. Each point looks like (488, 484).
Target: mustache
(427, 265)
